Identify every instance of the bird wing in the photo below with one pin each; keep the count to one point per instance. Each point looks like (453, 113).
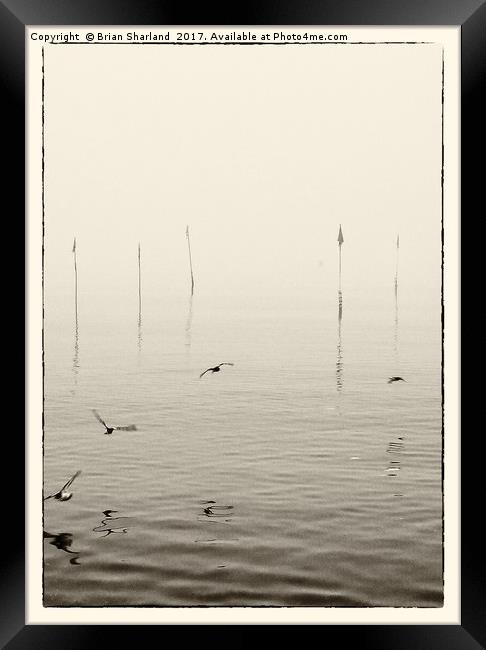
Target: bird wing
(128, 427)
(225, 363)
(203, 373)
(56, 495)
(71, 480)
(98, 417)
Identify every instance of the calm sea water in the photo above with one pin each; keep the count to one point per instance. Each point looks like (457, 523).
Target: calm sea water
(297, 477)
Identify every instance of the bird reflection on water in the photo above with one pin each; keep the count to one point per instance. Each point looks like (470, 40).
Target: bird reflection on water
(106, 524)
(63, 542)
(221, 511)
(212, 510)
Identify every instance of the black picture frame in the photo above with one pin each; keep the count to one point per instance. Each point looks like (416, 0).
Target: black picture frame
(14, 16)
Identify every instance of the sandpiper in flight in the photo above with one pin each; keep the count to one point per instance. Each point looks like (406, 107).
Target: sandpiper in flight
(129, 427)
(216, 368)
(63, 494)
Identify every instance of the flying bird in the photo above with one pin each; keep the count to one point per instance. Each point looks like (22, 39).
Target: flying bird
(129, 427)
(392, 379)
(63, 494)
(216, 368)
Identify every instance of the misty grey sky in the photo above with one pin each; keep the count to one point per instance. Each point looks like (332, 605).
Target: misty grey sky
(263, 151)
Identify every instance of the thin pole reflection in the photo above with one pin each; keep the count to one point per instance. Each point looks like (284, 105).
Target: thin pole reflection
(76, 324)
(396, 267)
(190, 259)
(340, 240)
(139, 323)
(139, 334)
(339, 362)
(395, 334)
(75, 282)
(189, 324)
(76, 355)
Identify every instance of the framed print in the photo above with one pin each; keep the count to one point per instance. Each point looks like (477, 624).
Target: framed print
(190, 506)
(242, 326)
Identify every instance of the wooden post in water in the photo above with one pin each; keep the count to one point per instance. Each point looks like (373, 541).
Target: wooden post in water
(189, 323)
(396, 267)
(76, 332)
(139, 287)
(340, 295)
(339, 362)
(139, 302)
(396, 303)
(75, 284)
(190, 259)
(340, 242)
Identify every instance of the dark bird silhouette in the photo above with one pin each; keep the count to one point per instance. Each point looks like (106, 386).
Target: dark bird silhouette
(216, 368)
(63, 494)
(104, 527)
(63, 541)
(222, 511)
(392, 379)
(129, 427)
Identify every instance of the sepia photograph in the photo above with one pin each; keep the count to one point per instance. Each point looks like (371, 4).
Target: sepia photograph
(239, 244)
